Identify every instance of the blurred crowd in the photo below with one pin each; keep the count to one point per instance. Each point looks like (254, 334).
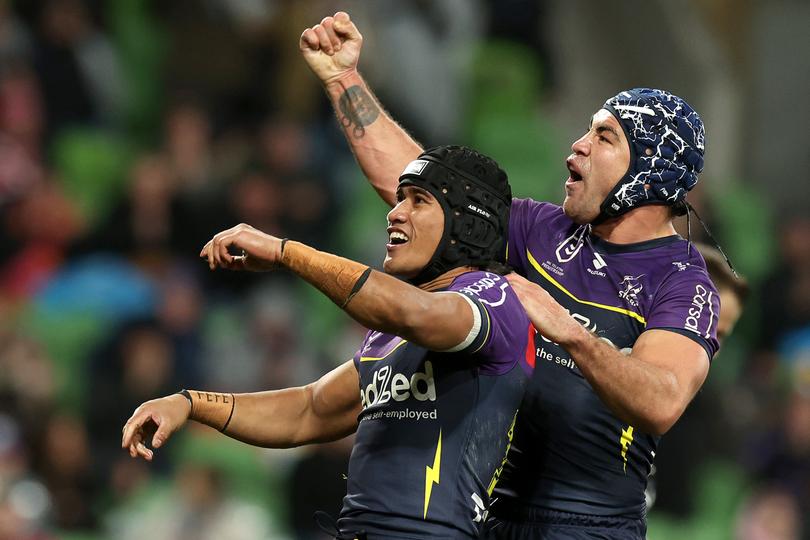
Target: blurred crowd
(131, 132)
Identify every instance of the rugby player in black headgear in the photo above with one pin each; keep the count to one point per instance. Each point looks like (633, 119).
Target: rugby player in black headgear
(440, 375)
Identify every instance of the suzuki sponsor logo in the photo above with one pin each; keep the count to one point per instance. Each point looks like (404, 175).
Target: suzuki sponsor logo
(598, 264)
(386, 385)
(700, 300)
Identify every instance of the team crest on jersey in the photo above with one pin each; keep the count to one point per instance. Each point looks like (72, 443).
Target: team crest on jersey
(629, 289)
(569, 248)
(681, 266)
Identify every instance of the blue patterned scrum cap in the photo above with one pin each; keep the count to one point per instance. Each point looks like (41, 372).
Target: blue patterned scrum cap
(666, 139)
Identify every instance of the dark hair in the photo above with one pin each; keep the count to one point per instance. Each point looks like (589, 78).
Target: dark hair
(721, 273)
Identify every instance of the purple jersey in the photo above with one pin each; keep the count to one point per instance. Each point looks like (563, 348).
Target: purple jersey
(436, 426)
(570, 453)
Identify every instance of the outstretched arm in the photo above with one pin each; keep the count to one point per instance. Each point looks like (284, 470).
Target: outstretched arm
(325, 410)
(376, 300)
(380, 145)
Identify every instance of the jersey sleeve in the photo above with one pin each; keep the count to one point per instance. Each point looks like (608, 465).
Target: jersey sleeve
(505, 333)
(359, 353)
(688, 303)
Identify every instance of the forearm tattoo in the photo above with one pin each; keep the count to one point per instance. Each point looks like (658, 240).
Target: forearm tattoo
(358, 110)
(212, 408)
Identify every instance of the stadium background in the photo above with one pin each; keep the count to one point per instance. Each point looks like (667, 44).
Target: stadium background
(132, 130)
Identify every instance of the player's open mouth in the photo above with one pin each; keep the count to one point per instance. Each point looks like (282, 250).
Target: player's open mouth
(397, 238)
(574, 173)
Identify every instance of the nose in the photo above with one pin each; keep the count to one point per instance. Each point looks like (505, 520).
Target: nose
(582, 146)
(398, 214)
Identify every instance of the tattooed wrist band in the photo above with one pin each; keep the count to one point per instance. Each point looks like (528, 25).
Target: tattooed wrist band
(211, 408)
(338, 278)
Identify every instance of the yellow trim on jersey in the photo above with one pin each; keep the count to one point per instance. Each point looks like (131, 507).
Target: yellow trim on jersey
(497, 474)
(432, 473)
(375, 358)
(625, 441)
(554, 282)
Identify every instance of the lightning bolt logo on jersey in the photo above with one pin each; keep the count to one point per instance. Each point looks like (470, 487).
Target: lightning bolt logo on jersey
(570, 453)
(435, 427)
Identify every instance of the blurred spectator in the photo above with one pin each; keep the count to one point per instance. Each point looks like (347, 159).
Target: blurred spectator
(199, 505)
(769, 514)
(786, 291)
(187, 133)
(781, 456)
(40, 225)
(15, 39)
(66, 469)
(24, 502)
(21, 109)
(137, 364)
(69, 97)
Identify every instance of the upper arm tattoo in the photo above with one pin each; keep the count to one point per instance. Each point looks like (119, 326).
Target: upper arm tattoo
(358, 110)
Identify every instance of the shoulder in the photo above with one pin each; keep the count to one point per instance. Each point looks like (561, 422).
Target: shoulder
(493, 293)
(684, 272)
(480, 284)
(535, 209)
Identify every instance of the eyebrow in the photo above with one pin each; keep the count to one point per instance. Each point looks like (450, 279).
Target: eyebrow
(602, 129)
(416, 190)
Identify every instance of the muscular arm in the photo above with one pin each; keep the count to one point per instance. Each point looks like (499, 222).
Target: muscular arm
(382, 302)
(325, 410)
(375, 300)
(380, 145)
(648, 389)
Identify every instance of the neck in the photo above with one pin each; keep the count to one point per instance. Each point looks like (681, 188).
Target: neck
(444, 280)
(637, 225)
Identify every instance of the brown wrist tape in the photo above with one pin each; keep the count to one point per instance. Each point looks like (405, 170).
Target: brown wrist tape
(212, 408)
(340, 279)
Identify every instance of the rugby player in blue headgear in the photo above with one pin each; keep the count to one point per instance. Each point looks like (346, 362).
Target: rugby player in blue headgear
(625, 311)
(434, 389)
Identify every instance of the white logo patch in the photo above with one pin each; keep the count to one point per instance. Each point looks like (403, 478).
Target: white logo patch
(415, 167)
(569, 248)
(598, 261)
(700, 300)
(480, 511)
(387, 385)
(629, 289)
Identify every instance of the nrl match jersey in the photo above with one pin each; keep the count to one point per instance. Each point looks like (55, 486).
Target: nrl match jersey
(570, 453)
(436, 426)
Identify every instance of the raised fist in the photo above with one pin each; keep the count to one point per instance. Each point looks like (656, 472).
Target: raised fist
(332, 48)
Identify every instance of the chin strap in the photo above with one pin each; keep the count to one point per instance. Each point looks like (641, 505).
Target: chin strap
(689, 211)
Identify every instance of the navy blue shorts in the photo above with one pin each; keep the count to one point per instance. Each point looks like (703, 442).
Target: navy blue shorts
(538, 524)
